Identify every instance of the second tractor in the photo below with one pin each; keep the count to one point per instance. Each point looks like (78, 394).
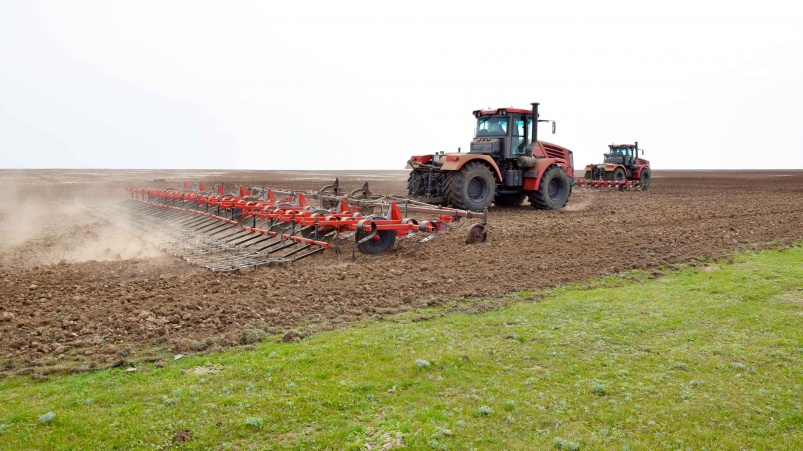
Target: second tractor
(621, 164)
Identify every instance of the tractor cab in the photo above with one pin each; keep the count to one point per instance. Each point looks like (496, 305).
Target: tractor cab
(625, 154)
(501, 133)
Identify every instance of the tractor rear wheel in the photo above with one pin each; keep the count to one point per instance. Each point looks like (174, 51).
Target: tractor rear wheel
(416, 184)
(644, 178)
(381, 242)
(509, 200)
(553, 193)
(471, 188)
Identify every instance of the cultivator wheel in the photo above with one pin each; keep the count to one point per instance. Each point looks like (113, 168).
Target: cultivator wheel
(222, 231)
(381, 241)
(477, 233)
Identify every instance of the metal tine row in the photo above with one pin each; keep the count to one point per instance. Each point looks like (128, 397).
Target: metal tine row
(213, 247)
(613, 185)
(226, 232)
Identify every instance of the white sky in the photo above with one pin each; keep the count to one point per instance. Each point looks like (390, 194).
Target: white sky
(364, 85)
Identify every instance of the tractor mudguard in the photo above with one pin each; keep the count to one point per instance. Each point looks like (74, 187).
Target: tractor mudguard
(418, 159)
(532, 176)
(455, 161)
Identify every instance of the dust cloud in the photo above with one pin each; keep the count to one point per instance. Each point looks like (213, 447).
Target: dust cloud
(580, 203)
(44, 220)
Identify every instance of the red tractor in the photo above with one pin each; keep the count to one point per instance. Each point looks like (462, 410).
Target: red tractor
(621, 164)
(502, 166)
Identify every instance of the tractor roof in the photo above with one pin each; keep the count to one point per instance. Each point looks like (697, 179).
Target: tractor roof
(479, 113)
(621, 145)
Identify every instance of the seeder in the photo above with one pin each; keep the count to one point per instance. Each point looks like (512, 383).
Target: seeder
(244, 227)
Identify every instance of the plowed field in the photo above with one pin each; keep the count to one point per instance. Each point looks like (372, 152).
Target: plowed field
(77, 293)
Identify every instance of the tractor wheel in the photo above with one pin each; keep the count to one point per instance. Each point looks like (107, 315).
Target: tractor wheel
(619, 175)
(381, 242)
(416, 184)
(645, 178)
(509, 200)
(553, 193)
(471, 188)
(588, 175)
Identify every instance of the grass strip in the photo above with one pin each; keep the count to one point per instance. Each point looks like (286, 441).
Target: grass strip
(701, 358)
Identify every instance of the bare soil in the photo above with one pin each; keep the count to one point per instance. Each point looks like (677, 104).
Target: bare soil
(75, 293)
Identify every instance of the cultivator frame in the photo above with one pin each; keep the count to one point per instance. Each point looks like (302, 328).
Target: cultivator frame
(612, 185)
(222, 231)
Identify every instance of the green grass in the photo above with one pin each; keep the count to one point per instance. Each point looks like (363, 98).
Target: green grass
(706, 358)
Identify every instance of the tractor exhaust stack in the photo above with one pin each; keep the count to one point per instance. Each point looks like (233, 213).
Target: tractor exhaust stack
(527, 160)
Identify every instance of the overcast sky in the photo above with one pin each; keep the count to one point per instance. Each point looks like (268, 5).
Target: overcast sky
(364, 85)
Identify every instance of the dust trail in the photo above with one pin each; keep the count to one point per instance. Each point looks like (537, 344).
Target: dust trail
(580, 201)
(42, 221)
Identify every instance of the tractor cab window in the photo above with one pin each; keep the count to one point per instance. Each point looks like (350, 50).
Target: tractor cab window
(492, 126)
(620, 155)
(519, 141)
(622, 151)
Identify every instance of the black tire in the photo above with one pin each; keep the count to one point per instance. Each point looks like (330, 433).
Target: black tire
(509, 200)
(588, 175)
(416, 184)
(553, 192)
(645, 177)
(619, 175)
(471, 188)
(383, 241)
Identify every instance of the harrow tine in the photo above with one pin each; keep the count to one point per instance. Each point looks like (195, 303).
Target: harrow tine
(410, 234)
(264, 238)
(313, 252)
(423, 226)
(345, 237)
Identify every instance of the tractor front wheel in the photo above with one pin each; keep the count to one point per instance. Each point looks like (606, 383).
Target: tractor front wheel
(471, 188)
(619, 175)
(553, 192)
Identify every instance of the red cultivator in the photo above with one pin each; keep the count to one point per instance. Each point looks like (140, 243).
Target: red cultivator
(258, 226)
(621, 185)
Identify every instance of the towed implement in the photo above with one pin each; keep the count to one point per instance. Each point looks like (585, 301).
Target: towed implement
(621, 169)
(225, 231)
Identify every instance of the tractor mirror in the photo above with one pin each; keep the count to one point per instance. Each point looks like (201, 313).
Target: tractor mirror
(553, 127)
